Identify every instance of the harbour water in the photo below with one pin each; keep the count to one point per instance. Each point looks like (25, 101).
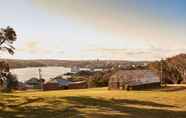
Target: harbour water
(24, 74)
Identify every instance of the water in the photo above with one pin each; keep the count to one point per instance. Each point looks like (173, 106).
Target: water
(24, 74)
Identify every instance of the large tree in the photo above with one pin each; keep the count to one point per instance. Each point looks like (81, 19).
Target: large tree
(7, 38)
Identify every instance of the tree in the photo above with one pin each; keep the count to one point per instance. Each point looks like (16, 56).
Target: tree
(12, 81)
(7, 38)
(169, 72)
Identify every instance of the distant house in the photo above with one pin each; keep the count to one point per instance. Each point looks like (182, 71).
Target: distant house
(60, 83)
(51, 85)
(134, 79)
(98, 69)
(33, 83)
(22, 86)
(78, 85)
(56, 83)
(75, 69)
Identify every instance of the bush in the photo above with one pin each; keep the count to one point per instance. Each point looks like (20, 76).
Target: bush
(11, 82)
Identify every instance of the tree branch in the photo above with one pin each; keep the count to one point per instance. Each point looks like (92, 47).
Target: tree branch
(2, 41)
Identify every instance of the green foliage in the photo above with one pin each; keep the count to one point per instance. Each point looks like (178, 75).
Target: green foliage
(98, 80)
(11, 82)
(95, 79)
(172, 69)
(7, 37)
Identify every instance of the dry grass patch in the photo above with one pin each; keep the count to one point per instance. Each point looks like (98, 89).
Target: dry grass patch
(93, 103)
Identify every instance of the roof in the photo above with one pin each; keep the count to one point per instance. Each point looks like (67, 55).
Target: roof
(78, 82)
(33, 81)
(60, 81)
(135, 77)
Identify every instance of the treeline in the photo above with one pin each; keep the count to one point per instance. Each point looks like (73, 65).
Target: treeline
(18, 63)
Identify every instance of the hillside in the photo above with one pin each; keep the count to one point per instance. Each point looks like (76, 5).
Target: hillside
(93, 103)
(173, 68)
(178, 60)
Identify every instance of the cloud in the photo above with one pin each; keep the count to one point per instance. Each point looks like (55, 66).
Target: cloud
(137, 54)
(112, 29)
(121, 19)
(34, 47)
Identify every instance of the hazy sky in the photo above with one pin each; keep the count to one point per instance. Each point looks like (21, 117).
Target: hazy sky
(91, 29)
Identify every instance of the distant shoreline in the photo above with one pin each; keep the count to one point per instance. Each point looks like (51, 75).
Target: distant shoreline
(17, 63)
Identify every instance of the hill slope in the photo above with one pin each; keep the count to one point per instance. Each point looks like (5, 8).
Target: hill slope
(173, 68)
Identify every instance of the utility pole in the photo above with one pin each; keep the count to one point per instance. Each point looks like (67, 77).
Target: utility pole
(184, 75)
(40, 78)
(161, 71)
(40, 75)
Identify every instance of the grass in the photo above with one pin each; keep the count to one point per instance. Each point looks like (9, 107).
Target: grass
(93, 103)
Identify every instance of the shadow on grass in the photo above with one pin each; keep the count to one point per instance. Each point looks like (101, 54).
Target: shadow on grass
(137, 102)
(134, 112)
(25, 109)
(27, 101)
(41, 112)
(84, 106)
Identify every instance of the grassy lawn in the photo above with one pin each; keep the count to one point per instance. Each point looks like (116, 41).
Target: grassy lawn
(93, 103)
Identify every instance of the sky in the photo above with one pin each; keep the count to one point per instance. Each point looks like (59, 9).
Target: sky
(96, 29)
